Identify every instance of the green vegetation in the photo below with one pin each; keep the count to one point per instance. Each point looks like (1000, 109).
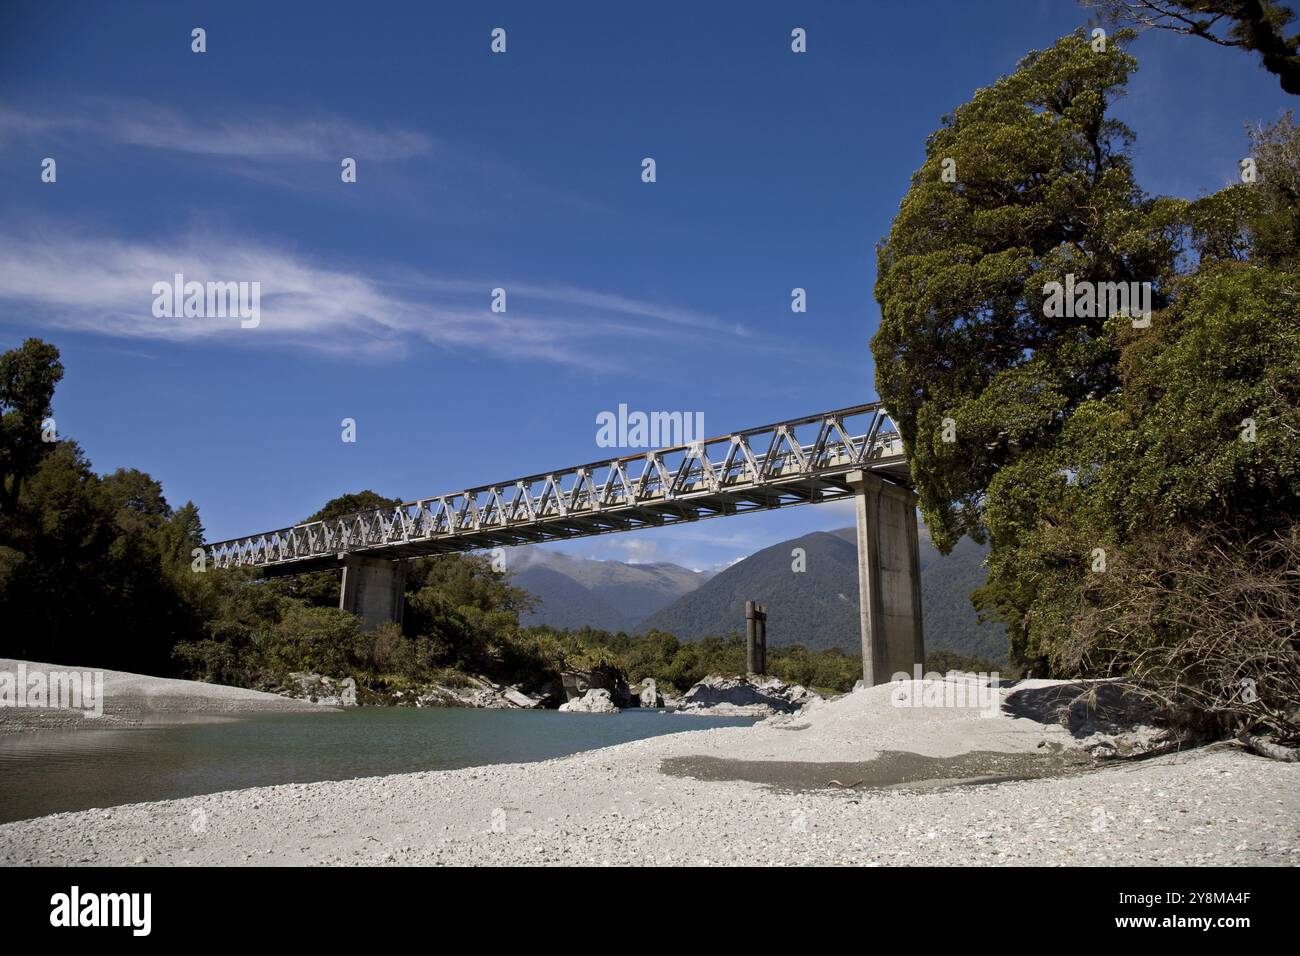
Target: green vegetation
(1117, 469)
(92, 569)
(676, 665)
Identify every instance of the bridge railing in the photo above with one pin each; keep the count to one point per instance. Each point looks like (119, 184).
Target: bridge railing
(643, 484)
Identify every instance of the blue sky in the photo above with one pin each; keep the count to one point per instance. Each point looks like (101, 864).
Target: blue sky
(475, 171)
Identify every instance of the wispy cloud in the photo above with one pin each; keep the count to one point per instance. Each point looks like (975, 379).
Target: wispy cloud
(428, 176)
(133, 123)
(578, 299)
(104, 285)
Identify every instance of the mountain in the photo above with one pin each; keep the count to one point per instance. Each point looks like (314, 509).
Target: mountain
(819, 606)
(612, 595)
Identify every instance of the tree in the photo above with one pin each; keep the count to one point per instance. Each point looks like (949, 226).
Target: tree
(353, 503)
(82, 576)
(28, 376)
(1201, 436)
(1078, 442)
(88, 565)
(1259, 26)
(1028, 183)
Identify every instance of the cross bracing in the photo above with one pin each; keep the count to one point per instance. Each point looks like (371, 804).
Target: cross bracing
(793, 462)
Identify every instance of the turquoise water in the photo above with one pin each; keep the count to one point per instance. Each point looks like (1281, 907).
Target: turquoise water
(52, 771)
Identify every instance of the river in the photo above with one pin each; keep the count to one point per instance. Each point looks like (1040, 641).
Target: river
(54, 770)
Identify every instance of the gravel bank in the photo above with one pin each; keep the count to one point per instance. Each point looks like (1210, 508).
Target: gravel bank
(136, 700)
(615, 807)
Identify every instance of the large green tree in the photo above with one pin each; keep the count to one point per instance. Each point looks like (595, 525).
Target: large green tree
(1139, 482)
(94, 570)
(91, 570)
(1200, 437)
(1027, 184)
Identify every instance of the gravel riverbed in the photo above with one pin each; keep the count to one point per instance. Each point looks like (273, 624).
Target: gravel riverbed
(137, 700)
(617, 806)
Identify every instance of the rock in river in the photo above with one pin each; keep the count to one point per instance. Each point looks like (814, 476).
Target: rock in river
(595, 701)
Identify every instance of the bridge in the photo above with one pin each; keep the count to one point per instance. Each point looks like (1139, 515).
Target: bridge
(848, 453)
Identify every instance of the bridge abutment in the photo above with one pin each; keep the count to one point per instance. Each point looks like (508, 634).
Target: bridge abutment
(374, 589)
(889, 577)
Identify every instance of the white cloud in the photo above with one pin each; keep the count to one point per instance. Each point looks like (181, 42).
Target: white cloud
(104, 285)
(639, 550)
(133, 123)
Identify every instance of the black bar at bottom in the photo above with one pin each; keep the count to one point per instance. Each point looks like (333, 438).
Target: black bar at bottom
(273, 905)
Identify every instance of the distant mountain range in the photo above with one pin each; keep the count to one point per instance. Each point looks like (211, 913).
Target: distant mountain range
(611, 595)
(817, 607)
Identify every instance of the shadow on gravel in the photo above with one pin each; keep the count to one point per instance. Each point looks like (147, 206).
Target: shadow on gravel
(1083, 709)
(892, 770)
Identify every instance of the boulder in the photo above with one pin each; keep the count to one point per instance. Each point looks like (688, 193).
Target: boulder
(749, 696)
(597, 700)
(494, 696)
(323, 690)
(440, 695)
(577, 682)
(517, 698)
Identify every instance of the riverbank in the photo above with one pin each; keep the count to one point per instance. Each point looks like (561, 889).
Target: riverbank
(726, 796)
(137, 700)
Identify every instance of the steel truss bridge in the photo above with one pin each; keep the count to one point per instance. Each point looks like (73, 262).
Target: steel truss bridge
(788, 463)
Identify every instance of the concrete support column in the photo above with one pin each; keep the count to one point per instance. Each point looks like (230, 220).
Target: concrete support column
(889, 578)
(755, 638)
(374, 589)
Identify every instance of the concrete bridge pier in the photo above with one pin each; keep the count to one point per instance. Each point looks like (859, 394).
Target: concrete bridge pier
(889, 577)
(755, 638)
(374, 589)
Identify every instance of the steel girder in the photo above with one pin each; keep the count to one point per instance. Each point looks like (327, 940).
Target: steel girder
(792, 462)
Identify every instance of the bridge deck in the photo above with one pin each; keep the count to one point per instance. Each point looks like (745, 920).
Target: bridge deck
(798, 461)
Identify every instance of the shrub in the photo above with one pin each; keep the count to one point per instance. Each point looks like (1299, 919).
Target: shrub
(1209, 628)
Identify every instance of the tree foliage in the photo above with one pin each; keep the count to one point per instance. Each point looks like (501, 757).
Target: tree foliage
(28, 376)
(1075, 443)
(90, 567)
(1044, 190)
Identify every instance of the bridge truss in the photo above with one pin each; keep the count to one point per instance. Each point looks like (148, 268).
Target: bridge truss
(793, 462)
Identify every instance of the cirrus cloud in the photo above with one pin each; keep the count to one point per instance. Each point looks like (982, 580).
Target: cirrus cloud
(104, 285)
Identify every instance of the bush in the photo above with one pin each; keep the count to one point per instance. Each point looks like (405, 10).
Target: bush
(1209, 629)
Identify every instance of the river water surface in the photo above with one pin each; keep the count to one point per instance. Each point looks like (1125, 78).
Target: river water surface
(55, 770)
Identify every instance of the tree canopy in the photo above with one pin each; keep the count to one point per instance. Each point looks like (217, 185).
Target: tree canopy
(1042, 188)
(1099, 450)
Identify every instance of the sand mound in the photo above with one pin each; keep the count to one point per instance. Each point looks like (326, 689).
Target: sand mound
(137, 699)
